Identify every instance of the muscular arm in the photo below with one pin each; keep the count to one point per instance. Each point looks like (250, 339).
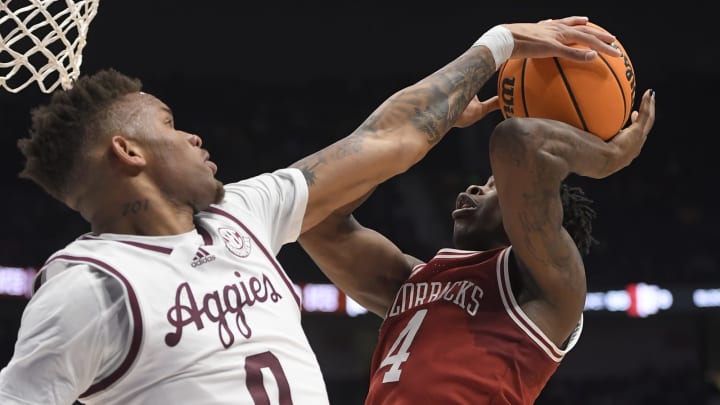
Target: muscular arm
(529, 159)
(407, 125)
(394, 137)
(397, 134)
(361, 262)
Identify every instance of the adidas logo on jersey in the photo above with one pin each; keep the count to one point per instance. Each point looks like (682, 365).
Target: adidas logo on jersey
(202, 256)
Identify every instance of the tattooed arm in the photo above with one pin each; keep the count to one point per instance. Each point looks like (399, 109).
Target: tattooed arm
(394, 137)
(405, 127)
(529, 159)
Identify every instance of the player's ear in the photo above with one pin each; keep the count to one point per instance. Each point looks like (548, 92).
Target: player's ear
(127, 152)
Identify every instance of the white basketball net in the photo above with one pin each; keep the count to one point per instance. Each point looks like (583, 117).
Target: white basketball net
(41, 41)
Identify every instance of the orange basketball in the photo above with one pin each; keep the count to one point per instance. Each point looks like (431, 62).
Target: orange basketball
(596, 96)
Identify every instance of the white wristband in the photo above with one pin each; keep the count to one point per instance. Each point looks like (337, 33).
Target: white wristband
(500, 42)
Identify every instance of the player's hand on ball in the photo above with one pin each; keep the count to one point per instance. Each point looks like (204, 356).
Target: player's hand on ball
(629, 141)
(568, 37)
(596, 96)
(476, 110)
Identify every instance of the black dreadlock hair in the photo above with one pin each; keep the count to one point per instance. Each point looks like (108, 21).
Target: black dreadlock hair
(578, 217)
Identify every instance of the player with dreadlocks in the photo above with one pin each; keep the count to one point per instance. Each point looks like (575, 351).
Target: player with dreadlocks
(578, 216)
(489, 321)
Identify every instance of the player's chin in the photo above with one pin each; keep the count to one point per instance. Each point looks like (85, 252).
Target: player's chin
(215, 196)
(459, 237)
(219, 192)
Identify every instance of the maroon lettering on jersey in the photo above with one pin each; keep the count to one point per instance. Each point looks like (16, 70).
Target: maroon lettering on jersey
(215, 307)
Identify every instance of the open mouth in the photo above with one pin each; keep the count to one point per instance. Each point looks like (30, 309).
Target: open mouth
(464, 205)
(465, 201)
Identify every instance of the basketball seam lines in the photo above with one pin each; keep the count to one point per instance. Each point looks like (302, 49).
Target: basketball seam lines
(522, 87)
(622, 92)
(570, 93)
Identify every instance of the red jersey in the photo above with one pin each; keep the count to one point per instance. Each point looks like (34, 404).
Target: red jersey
(456, 335)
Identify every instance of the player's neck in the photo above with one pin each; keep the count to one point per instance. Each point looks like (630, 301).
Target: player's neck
(140, 215)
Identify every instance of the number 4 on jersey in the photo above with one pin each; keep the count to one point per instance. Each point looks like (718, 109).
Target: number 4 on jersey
(396, 357)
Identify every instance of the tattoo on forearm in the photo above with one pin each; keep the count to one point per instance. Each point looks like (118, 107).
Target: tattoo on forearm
(434, 104)
(308, 166)
(339, 150)
(135, 207)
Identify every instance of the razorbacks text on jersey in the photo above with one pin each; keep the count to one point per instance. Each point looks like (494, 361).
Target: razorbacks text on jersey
(456, 335)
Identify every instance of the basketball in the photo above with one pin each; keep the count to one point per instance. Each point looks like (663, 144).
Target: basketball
(595, 96)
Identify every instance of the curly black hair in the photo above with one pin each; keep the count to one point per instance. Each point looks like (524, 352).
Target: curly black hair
(62, 128)
(578, 217)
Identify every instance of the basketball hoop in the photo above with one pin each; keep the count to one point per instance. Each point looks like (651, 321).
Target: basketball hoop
(42, 41)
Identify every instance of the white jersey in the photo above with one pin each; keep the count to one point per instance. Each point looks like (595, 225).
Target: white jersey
(213, 318)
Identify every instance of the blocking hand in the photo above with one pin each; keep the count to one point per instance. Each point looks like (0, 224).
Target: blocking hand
(550, 38)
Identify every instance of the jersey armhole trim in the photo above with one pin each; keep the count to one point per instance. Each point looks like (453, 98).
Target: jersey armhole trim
(518, 315)
(136, 319)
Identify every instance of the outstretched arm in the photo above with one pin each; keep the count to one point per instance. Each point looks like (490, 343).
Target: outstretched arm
(364, 264)
(529, 159)
(407, 125)
(361, 262)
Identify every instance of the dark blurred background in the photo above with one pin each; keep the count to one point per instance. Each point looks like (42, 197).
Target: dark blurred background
(266, 84)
